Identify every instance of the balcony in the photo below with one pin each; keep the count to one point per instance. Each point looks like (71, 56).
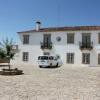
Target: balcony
(46, 45)
(86, 46)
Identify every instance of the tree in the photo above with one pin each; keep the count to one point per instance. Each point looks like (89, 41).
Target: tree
(6, 50)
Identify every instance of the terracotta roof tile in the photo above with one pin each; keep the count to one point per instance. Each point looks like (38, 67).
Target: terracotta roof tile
(74, 28)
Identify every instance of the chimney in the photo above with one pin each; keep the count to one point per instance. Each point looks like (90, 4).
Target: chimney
(38, 25)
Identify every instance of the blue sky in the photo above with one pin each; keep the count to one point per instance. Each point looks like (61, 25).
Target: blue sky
(19, 15)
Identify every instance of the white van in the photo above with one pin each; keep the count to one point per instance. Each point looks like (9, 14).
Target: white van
(47, 60)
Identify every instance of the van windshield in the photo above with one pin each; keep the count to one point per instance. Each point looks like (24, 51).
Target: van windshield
(51, 57)
(42, 58)
(45, 58)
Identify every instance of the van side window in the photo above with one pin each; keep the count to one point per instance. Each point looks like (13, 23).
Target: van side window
(39, 58)
(51, 58)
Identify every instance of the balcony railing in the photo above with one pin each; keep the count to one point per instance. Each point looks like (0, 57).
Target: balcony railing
(86, 46)
(46, 45)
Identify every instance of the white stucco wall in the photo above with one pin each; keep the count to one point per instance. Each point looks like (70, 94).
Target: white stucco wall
(60, 48)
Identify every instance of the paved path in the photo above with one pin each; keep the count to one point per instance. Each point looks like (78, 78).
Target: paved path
(64, 83)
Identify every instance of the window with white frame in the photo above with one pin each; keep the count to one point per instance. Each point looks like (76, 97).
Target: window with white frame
(86, 58)
(70, 58)
(99, 38)
(25, 56)
(99, 58)
(70, 38)
(25, 39)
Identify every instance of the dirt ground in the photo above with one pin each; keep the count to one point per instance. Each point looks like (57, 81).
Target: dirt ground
(63, 83)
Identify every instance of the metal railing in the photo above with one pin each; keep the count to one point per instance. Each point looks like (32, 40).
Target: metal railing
(88, 45)
(46, 45)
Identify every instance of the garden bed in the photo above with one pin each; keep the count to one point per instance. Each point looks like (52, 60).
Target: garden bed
(11, 72)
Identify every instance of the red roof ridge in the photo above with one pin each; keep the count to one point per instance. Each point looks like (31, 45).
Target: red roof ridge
(67, 28)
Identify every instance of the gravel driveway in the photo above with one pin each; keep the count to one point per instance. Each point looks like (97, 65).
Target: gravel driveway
(64, 83)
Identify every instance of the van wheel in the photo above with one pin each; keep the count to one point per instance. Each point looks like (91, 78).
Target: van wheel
(57, 65)
(50, 64)
(40, 66)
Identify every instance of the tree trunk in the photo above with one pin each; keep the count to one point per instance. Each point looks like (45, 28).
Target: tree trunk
(9, 64)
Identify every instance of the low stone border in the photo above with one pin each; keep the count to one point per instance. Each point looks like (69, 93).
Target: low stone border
(11, 72)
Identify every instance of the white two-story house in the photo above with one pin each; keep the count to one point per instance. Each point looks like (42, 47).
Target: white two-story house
(76, 45)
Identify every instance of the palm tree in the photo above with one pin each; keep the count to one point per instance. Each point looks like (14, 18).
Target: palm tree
(6, 50)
